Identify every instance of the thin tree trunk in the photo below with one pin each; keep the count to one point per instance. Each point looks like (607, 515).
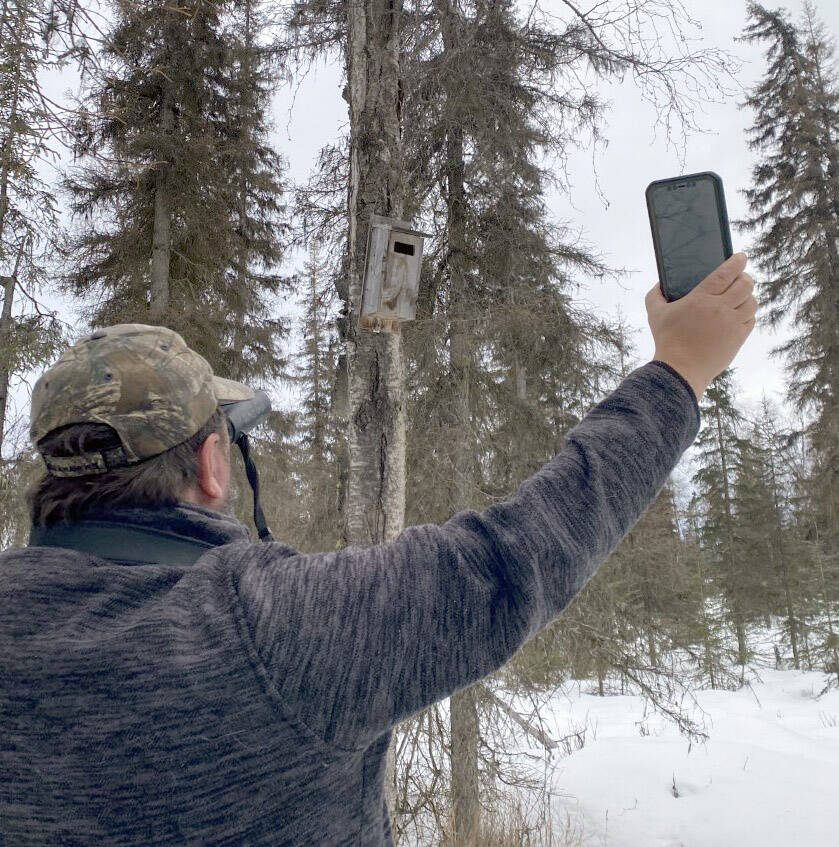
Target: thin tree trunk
(8, 141)
(791, 616)
(648, 617)
(710, 657)
(162, 237)
(793, 627)
(243, 256)
(3, 17)
(521, 379)
(831, 634)
(805, 640)
(10, 281)
(374, 511)
(339, 405)
(739, 627)
(465, 729)
(6, 325)
(318, 445)
(464, 721)
(646, 597)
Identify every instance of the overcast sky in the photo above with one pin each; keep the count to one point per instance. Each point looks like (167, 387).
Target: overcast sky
(608, 207)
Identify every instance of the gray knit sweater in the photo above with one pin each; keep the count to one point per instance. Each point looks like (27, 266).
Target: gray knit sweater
(248, 699)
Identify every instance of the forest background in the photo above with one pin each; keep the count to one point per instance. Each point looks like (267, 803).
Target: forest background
(212, 165)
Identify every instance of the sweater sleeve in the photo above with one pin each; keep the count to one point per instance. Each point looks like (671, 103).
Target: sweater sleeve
(353, 641)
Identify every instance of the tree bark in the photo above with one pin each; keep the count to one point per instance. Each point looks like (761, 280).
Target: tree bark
(8, 141)
(243, 253)
(10, 281)
(374, 511)
(162, 237)
(465, 728)
(376, 498)
(464, 721)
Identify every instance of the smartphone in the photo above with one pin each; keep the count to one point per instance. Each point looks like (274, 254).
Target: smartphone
(691, 235)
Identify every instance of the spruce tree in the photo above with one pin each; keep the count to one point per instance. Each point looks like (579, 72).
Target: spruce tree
(806, 586)
(314, 375)
(761, 540)
(794, 211)
(177, 196)
(30, 334)
(717, 445)
(250, 78)
(706, 627)
(657, 576)
(499, 272)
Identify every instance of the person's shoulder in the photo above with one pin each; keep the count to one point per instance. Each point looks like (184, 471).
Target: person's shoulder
(239, 553)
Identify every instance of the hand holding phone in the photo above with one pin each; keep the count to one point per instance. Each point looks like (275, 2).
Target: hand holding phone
(689, 224)
(700, 334)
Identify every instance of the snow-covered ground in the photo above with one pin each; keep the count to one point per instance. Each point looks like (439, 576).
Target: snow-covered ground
(768, 775)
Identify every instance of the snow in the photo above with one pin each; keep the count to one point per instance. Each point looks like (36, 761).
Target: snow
(767, 775)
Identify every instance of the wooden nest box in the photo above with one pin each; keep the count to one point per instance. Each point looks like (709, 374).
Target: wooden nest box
(391, 274)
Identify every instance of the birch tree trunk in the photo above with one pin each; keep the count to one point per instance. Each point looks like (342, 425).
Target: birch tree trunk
(374, 511)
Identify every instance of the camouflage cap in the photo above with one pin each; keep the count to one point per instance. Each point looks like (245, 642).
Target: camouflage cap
(141, 380)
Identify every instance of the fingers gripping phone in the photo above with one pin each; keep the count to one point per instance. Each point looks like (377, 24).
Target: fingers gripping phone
(691, 235)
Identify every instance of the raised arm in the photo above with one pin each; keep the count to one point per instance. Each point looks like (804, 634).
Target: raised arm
(356, 640)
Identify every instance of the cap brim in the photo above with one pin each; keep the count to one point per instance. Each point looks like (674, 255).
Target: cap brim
(228, 391)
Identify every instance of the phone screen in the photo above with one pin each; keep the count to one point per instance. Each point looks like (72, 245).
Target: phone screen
(690, 237)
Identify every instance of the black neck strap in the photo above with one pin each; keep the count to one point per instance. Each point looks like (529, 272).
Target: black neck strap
(253, 479)
(122, 542)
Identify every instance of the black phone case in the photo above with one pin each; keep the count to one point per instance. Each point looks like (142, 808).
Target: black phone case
(722, 214)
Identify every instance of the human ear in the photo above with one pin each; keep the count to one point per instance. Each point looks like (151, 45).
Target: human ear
(210, 471)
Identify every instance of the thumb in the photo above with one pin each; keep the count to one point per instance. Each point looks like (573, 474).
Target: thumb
(655, 298)
(720, 279)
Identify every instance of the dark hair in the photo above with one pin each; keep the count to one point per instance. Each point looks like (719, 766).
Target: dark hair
(158, 481)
